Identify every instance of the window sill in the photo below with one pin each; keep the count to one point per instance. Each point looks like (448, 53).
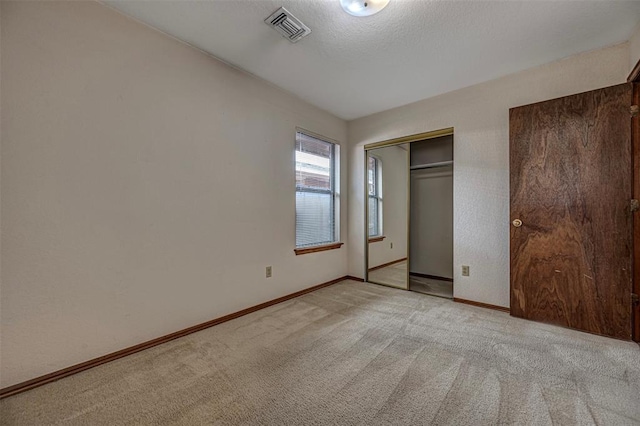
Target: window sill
(376, 239)
(314, 249)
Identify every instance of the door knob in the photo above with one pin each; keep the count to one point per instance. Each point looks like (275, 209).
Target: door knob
(517, 223)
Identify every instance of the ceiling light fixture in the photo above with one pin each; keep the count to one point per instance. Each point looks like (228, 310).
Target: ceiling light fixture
(363, 7)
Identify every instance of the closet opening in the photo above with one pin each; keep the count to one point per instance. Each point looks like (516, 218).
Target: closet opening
(431, 217)
(409, 213)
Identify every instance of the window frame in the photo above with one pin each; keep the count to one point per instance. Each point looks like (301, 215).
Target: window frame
(377, 195)
(333, 191)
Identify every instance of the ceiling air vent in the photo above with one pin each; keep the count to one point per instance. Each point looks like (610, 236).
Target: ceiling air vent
(287, 25)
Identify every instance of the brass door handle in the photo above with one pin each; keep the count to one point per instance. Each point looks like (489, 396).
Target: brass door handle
(517, 223)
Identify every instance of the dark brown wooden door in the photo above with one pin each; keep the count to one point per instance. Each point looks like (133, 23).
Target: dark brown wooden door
(570, 176)
(635, 138)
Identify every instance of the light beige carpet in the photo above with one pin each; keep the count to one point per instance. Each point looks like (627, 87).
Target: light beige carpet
(430, 286)
(355, 353)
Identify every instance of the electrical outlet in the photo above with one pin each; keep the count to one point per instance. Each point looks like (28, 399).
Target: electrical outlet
(465, 270)
(268, 272)
(391, 245)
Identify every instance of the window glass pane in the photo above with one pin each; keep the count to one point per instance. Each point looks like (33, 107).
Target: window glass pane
(313, 163)
(372, 173)
(315, 192)
(373, 216)
(314, 219)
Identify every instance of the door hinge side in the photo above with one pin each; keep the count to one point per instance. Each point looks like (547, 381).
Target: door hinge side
(635, 205)
(634, 110)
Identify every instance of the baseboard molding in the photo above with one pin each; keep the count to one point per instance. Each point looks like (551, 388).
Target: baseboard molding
(384, 265)
(433, 277)
(74, 369)
(482, 305)
(352, 278)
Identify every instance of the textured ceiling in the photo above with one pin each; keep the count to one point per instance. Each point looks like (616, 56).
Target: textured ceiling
(413, 49)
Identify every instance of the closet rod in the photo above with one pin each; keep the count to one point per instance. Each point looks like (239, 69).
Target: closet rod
(431, 165)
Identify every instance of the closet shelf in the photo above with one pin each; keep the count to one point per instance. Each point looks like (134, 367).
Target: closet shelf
(431, 165)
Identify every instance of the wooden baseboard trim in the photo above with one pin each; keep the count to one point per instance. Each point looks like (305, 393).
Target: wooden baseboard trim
(65, 372)
(352, 278)
(433, 277)
(384, 265)
(482, 305)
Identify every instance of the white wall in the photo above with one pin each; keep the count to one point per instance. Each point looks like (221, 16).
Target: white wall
(145, 187)
(480, 116)
(634, 48)
(395, 169)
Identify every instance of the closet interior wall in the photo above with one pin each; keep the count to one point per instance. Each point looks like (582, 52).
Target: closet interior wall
(431, 222)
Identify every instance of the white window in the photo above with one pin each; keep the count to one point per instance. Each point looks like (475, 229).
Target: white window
(316, 191)
(374, 174)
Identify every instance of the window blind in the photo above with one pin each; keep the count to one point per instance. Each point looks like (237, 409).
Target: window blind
(315, 191)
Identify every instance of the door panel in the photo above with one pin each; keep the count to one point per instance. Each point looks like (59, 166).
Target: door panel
(570, 185)
(635, 138)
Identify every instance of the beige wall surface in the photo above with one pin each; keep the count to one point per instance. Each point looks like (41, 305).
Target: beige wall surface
(634, 48)
(395, 182)
(145, 187)
(480, 116)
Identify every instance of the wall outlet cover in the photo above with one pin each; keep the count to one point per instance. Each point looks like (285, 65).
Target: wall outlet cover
(268, 272)
(465, 270)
